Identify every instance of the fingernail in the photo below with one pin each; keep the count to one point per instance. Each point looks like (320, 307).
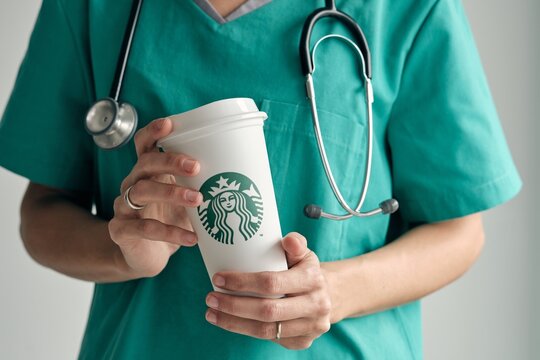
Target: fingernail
(212, 301)
(219, 280)
(191, 238)
(189, 165)
(192, 196)
(298, 239)
(158, 125)
(211, 317)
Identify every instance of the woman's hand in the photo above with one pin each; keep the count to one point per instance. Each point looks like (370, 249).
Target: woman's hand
(148, 237)
(304, 312)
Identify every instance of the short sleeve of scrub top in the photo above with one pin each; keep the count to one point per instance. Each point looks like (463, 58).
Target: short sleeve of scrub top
(41, 133)
(438, 147)
(449, 154)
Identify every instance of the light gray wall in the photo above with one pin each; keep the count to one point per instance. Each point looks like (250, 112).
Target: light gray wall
(488, 314)
(42, 313)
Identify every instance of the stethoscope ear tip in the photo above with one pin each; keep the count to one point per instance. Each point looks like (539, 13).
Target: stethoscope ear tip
(312, 211)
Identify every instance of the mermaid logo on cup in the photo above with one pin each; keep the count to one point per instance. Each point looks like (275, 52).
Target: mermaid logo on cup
(232, 207)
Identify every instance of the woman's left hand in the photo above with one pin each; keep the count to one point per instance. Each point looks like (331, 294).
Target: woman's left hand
(304, 313)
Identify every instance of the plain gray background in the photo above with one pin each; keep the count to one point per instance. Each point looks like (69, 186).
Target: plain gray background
(489, 313)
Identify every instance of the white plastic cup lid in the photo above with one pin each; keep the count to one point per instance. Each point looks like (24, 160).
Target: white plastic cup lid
(214, 113)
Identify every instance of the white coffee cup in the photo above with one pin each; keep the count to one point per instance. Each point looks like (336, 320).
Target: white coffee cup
(237, 225)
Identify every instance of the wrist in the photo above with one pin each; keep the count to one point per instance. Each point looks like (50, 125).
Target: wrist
(125, 270)
(347, 293)
(120, 263)
(335, 285)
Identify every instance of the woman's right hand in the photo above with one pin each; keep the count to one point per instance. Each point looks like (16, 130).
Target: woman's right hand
(148, 237)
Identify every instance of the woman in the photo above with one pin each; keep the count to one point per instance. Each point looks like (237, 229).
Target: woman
(352, 287)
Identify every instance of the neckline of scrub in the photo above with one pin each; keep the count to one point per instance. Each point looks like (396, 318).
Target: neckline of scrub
(210, 14)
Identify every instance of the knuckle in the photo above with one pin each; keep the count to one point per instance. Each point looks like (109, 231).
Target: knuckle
(140, 188)
(227, 304)
(136, 191)
(289, 346)
(319, 281)
(171, 191)
(124, 185)
(117, 230)
(313, 275)
(270, 311)
(299, 344)
(270, 283)
(314, 255)
(240, 283)
(182, 193)
(113, 228)
(118, 202)
(324, 306)
(174, 161)
(169, 233)
(322, 327)
(138, 136)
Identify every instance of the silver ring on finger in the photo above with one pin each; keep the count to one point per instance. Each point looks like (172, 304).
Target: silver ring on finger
(128, 201)
(278, 333)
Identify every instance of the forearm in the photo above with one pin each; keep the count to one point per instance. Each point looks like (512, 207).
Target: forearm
(418, 263)
(60, 234)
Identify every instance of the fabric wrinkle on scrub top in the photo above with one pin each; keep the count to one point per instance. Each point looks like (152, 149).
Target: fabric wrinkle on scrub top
(438, 146)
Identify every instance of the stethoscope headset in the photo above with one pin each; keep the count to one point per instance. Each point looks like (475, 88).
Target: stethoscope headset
(112, 123)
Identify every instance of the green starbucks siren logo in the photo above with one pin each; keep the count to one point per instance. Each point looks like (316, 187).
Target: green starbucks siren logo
(232, 207)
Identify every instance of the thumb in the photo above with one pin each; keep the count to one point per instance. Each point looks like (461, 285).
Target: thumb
(295, 246)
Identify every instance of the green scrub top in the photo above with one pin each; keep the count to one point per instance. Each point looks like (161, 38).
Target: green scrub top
(438, 146)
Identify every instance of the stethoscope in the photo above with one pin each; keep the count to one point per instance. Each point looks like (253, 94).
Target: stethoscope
(112, 123)
(308, 68)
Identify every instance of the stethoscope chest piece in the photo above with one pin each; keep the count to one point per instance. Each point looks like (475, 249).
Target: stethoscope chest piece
(111, 124)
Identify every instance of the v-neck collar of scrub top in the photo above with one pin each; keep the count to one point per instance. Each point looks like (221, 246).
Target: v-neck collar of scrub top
(244, 9)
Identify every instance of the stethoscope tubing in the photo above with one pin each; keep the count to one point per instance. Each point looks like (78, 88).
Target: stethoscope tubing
(369, 98)
(118, 81)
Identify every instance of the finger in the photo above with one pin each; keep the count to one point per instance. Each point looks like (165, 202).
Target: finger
(145, 138)
(128, 230)
(121, 209)
(270, 309)
(291, 329)
(148, 191)
(304, 277)
(154, 163)
(296, 343)
(295, 246)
